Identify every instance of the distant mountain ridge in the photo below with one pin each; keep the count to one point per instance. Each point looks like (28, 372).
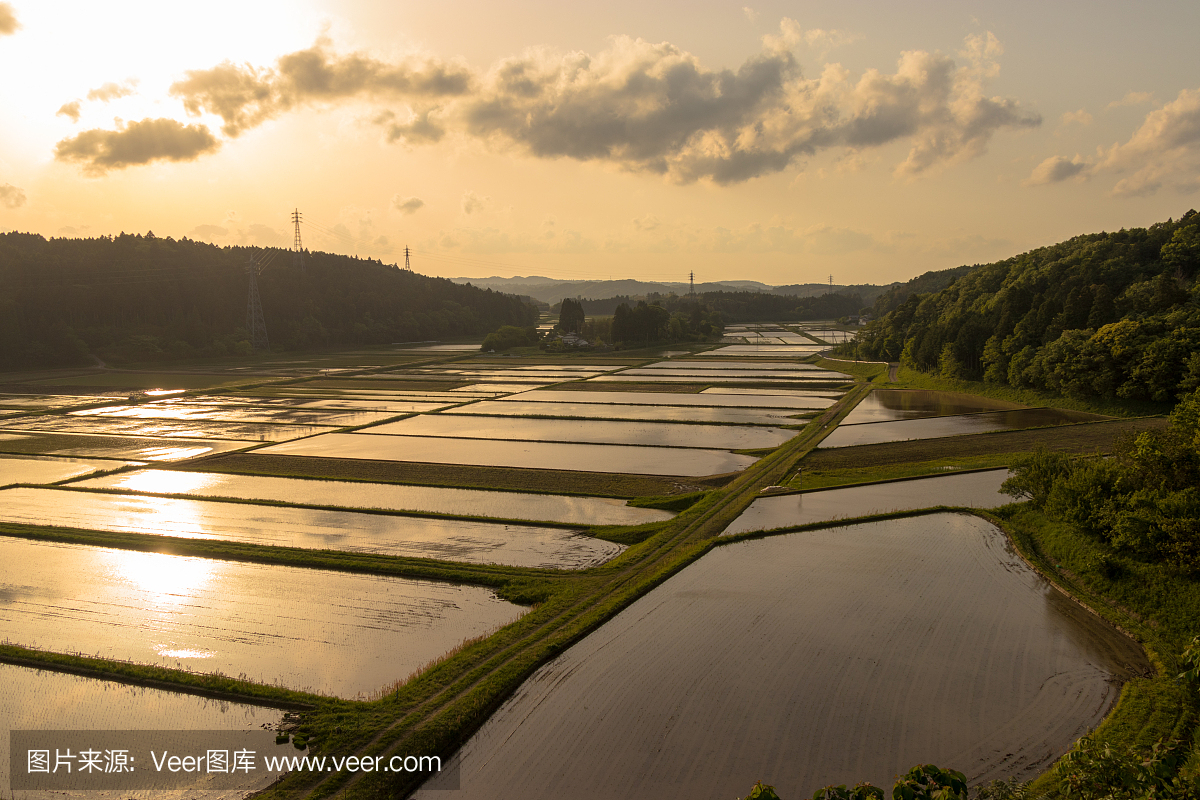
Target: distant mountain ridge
(551, 290)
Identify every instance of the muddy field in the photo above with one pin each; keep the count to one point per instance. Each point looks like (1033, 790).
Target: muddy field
(730, 672)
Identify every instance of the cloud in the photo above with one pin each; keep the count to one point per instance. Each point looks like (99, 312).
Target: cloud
(207, 232)
(646, 222)
(1057, 169)
(1163, 153)
(112, 91)
(420, 128)
(407, 205)
(654, 108)
(70, 109)
(245, 96)
(264, 236)
(645, 107)
(1079, 117)
(100, 150)
(8, 20)
(1132, 99)
(472, 202)
(750, 13)
(824, 41)
(11, 196)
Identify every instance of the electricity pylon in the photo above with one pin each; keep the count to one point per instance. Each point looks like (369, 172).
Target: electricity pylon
(297, 247)
(254, 313)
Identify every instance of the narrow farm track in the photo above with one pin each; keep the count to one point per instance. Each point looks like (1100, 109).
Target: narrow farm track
(607, 590)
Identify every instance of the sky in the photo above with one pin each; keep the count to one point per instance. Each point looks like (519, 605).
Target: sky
(783, 142)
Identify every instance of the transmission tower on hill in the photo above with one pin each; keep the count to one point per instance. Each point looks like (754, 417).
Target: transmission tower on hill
(297, 247)
(254, 313)
(407, 265)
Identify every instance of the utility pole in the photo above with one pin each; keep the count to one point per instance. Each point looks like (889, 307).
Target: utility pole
(830, 281)
(407, 265)
(692, 284)
(297, 247)
(254, 314)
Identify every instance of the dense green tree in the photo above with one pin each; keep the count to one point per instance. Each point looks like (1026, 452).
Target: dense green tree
(571, 316)
(133, 297)
(1108, 315)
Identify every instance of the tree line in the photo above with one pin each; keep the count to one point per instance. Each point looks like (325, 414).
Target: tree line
(1101, 315)
(143, 298)
(744, 306)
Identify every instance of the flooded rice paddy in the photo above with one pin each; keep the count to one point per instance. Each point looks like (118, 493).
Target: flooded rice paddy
(133, 448)
(42, 469)
(823, 397)
(291, 416)
(40, 402)
(886, 405)
(662, 434)
(659, 399)
(319, 529)
(661, 376)
(386, 496)
(416, 405)
(731, 672)
(496, 389)
(167, 428)
(721, 415)
(755, 366)
(971, 490)
(628, 459)
(42, 700)
(328, 632)
(934, 427)
(765, 350)
(830, 335)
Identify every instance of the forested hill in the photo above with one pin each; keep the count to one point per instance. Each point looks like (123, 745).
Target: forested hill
(138, 298)
(1106, 314)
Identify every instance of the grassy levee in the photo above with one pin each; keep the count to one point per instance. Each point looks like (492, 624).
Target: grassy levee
(437, 712)
(203, 684)
(1158, 608)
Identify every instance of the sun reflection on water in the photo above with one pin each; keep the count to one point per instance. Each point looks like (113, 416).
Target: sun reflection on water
(166, 580)
(162, 481)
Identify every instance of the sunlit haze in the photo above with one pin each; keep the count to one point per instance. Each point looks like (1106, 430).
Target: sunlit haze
(779, 142)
